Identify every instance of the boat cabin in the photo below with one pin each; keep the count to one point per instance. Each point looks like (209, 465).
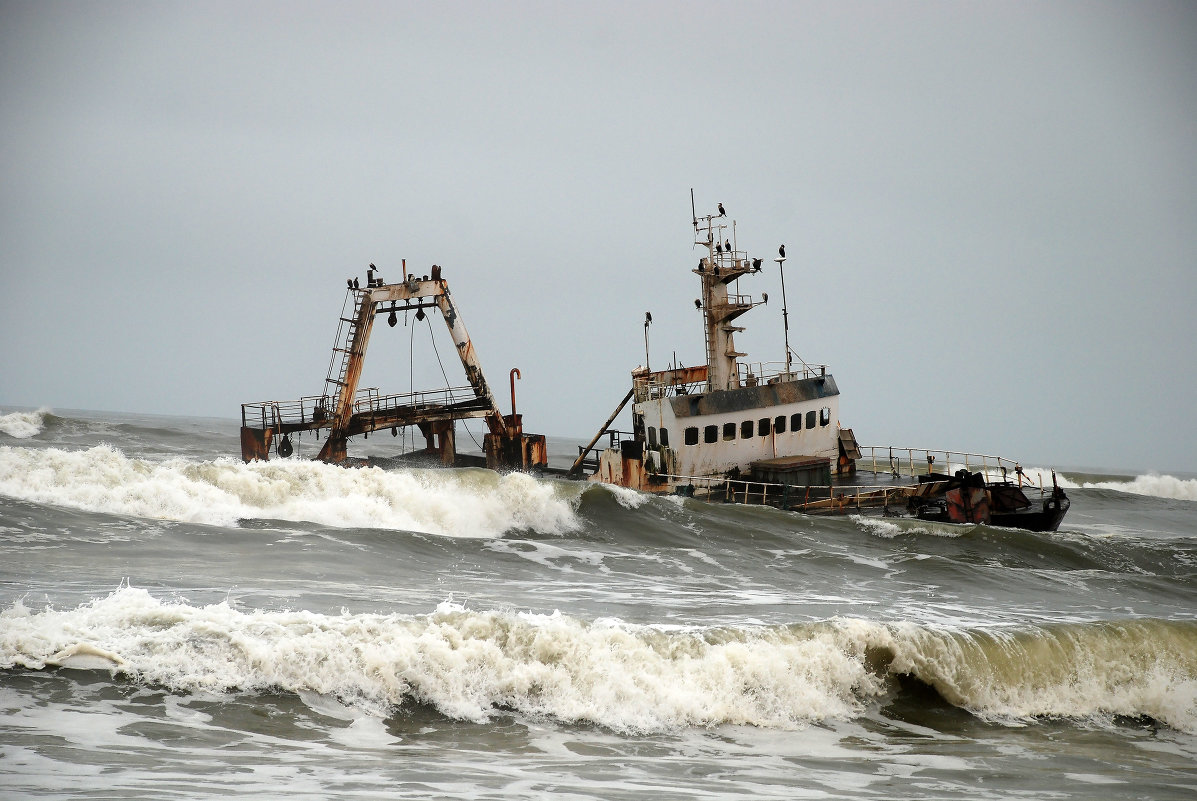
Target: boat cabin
(726, 417)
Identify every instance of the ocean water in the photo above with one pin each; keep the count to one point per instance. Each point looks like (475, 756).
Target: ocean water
(177, 624)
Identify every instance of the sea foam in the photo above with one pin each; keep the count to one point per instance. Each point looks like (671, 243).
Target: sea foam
(469, 664)
(1152, 484)
(455, 503)
(23, 425)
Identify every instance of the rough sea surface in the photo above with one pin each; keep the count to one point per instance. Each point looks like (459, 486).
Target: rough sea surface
(177, 624)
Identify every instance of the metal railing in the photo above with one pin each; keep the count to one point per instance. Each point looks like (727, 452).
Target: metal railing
(764, 372)
(795, 497)
(274, 414)
(651, 389)
(614, 438)
(739, 300)
(373, 403)
(913, 462)
(316, 411)
(899, 463)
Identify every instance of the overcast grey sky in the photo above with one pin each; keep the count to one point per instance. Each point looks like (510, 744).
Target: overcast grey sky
(990, 208)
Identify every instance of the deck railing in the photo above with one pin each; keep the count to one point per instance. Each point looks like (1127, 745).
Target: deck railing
(766, 372)
(649, 388)
(899, 463)
(273, 414)
(912, 462)
(796, 497)
(313, 410)
(594, 453)
(374, 403)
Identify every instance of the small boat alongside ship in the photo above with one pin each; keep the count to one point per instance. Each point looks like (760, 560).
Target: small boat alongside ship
(724, 431)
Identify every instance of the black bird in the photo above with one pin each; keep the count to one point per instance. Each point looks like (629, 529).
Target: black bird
(648, 317)
(718, 248)
(756, 264)
(697, 303)
(355, 285)
(727, 246)
(781, 251)
(349, 283)
(722, 213)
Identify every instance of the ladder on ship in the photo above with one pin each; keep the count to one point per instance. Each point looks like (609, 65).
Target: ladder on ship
(346, 343)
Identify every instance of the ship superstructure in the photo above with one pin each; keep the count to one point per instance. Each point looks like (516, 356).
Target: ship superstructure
(727, 417)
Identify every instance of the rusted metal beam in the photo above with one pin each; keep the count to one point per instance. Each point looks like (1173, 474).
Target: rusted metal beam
(581, 456)
(469, 360)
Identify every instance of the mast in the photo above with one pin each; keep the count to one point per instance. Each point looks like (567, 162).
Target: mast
(785, 313)
(716, 270)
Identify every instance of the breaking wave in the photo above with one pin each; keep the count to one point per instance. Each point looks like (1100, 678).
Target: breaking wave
(469, 664)
(452, 503)
(1153, 485)
(23, 425)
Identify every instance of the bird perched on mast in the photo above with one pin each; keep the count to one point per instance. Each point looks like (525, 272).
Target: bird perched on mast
(722, 213)
(781, 251)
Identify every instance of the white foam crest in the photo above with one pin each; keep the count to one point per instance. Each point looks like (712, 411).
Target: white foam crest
(626, 497)
(889, 528)
(464, 663)
(1085, 670)
(23, 425)
(1151, 484)
(455, 503)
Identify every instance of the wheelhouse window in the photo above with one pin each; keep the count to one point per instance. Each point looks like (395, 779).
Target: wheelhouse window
(692, 435)
(779, 424)
(762, 427)
(652, 437)
(796, 421)
(825, 415)
(746, 429)
(710, 434)
(665, 437)
(810, 419)
(729, 431)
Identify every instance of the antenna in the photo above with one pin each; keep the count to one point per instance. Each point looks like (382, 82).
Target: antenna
(648, 320)
(785, 314)
(693, 213)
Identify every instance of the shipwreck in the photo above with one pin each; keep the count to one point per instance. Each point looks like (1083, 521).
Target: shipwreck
(346, 410)
(728, 430)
